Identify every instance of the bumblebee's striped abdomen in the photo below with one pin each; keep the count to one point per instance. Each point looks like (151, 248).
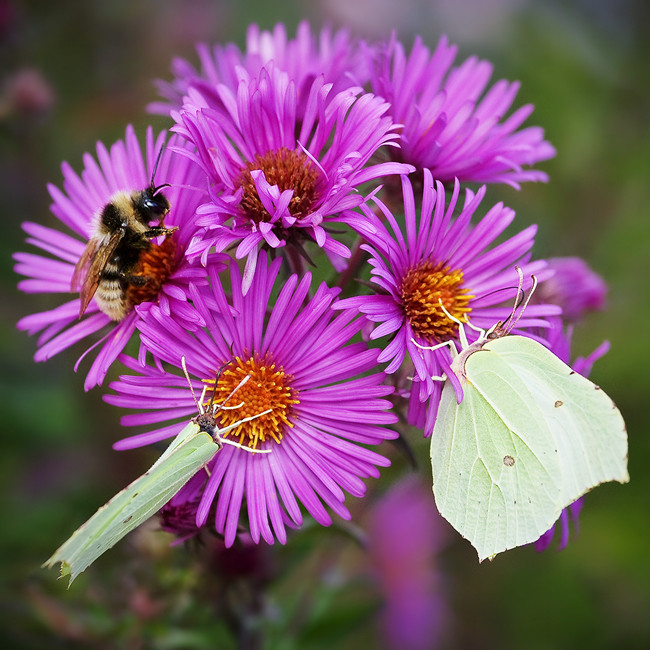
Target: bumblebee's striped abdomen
(111, 293)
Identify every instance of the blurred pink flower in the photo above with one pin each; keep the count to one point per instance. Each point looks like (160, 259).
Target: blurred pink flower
(27, 92)
(574, 287)
(405, 535)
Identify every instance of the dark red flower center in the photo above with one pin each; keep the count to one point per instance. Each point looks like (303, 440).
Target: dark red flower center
(289, 170)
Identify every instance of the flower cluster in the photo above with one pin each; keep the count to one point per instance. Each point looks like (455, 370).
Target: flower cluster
(317, 152)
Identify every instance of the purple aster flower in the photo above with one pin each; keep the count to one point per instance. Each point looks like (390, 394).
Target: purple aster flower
(559, 342)
(120, 169)
(277, 180)
(442, 258)
(178, 515)
(574, 287)
(334, 55)
(449, 125)
(302, 366)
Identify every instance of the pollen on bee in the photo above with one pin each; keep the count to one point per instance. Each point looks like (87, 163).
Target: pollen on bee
(156, 264)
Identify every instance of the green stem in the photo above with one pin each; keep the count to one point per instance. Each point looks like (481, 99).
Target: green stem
(356, 260)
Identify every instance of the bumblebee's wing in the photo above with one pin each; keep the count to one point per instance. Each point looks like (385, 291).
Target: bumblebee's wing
(92, 262)
(82, 266)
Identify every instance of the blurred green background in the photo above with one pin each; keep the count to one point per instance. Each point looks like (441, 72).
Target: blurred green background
(88, 67)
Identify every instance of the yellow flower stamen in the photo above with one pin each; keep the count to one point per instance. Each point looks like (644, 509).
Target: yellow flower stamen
(269, 387)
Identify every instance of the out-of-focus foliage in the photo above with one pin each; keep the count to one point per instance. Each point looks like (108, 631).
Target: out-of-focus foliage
(73, 73)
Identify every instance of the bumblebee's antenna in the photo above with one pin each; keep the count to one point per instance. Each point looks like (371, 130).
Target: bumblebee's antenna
(155, 189)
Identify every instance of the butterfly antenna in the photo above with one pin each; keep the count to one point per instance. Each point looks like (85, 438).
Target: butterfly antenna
(234, 390)
(526, 301)
(199, 402)
(214, 392)
(199, 405)
(214, 407)
(502, 327)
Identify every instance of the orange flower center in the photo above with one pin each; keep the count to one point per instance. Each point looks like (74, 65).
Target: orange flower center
(422, 290)
(156, 264)
(267, 389)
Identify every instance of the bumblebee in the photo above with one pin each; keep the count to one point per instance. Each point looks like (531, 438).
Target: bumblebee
(106, 267)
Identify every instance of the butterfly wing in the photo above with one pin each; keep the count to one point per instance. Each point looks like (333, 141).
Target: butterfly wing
(191, 450)
(529, 438)
(587, 427)
(492, 501)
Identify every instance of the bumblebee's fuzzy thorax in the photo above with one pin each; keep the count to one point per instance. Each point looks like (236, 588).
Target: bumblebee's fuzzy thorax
(120, 266)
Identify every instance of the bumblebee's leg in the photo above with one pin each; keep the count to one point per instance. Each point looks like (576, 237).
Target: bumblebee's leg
(135, 280)
(157, 231)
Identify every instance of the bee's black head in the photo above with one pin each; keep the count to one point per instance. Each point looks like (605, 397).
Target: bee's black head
(153, 203)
